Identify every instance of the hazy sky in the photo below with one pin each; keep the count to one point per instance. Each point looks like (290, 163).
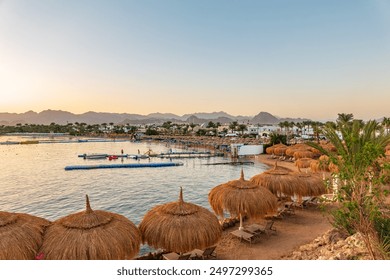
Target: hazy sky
(301, 58)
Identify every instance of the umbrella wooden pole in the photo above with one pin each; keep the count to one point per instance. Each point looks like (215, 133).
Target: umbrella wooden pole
(241, 227)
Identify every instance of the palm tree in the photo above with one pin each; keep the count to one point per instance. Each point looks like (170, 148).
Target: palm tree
(317, 129)
(386, 124)
(282, 125)
(344, 119)
(359, 190)
(242, 127)
(211, 125)
(306, 123)
(299, 125)
(233, 125)
(331, 124)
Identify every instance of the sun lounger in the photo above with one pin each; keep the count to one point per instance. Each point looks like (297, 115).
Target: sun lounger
(313, 201)
(254, 229)
(289, 208)
(204, 254)
(269, 227)
(176, 256)
(243, 235)
(258, 229)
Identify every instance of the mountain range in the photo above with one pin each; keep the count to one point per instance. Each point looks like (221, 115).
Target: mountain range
(64, 117)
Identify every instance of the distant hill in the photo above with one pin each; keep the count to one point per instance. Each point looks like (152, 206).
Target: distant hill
(163, 116)
(64, 117)
(265, 118)
(210, 116)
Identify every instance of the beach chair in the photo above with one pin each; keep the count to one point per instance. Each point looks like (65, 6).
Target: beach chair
(269, 227)
(243, 235)
(204, 254)
(289, 208)
(254, 229)
(175, 256)
(184, 257)
(313, 201)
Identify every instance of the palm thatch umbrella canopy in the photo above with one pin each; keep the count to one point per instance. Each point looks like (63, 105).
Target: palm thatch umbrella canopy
(242, 197)
(180, 227)
(312, 185)
(322, 164)
(290, 151)
(91, 235)
(21, 235)
(270, 150)
(303, 162)
(297, 147)
(303, 154)
(279, 181)
(280, 151)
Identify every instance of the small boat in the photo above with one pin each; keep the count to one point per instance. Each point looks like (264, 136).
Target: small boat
(95, 156)
(138, 156)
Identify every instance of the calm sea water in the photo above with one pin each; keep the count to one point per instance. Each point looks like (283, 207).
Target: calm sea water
(33, 179)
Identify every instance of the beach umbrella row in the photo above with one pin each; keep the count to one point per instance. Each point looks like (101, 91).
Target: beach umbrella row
(283, 182)
(85, 235)
(271, 150)
(102, 235)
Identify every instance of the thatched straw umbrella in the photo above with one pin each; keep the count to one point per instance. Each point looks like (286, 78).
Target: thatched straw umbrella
(318, 165)
(180, 227)
(290, 151)
(91, 235)
(270, 150)
(242, 197)
(312, 185)
(322, 164)
(279, 181)
(333, 167)
(280, 151)
(21, 235)
(303, 162)
(329, 147)
(303, 154)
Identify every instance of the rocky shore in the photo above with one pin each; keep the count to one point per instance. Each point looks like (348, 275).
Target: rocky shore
(333, 245)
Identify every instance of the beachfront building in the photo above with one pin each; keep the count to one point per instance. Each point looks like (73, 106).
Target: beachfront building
(263, 130)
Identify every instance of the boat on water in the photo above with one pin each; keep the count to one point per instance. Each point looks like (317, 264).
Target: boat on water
(95, 156)
(138, 156)
(102, 156)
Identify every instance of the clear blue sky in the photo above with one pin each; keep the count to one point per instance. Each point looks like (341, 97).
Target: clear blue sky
(301, 58)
